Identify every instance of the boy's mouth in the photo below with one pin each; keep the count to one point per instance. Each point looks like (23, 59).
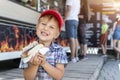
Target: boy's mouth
(44, 33)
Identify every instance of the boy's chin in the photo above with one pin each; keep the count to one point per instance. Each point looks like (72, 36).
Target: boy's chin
(43, 39)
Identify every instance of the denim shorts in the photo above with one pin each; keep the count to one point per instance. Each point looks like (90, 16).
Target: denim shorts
(71, 28)
(116, 35)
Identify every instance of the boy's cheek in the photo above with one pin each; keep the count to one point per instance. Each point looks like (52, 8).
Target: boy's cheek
(57, 35)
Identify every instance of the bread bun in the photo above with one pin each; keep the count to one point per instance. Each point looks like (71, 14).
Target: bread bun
(35, 49)
(38, 48)
(31, 45)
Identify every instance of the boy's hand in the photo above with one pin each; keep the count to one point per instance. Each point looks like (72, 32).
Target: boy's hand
(35, 60)
(42, 58)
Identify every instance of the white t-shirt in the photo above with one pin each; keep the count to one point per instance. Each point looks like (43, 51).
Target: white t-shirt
(75, 9)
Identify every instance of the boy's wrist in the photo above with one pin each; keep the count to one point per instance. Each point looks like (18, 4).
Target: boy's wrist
(44, 64)
(35, 65)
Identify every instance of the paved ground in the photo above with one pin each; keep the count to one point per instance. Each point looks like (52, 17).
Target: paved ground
(110, 70)
(86, 69)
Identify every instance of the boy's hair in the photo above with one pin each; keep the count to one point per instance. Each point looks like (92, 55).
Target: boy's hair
(56, 14)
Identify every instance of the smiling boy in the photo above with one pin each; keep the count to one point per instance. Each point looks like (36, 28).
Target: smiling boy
(51, 65)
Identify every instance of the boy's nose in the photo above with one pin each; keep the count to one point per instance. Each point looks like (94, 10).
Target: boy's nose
(46, 27)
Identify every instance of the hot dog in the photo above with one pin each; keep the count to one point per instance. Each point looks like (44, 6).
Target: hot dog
(32, 50)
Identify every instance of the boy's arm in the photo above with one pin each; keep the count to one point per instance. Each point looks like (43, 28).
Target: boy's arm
(31, 71)
(56, 72)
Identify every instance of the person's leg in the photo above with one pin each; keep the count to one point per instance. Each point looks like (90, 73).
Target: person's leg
(118, 55)
(79, 40)
(81, 47)
(84, 49)
(72, 47)
(118, 49)
(76, 40)
(103, 42)
(115, 47)
(103, 48)
(71, 32)
(83, 39)
(76, 49)
(119, 45)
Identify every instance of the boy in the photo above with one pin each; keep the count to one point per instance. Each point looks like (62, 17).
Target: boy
(51, 65)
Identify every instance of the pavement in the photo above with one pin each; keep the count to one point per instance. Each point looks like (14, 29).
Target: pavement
(86, 69)
(110, 70)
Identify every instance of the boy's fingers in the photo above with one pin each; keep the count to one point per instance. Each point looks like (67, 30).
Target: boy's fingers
(31, 60)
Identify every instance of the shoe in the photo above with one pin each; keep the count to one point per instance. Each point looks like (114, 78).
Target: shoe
(85, 57)
(77, 59)
(81, 57)
(69, 59)
(74, 60)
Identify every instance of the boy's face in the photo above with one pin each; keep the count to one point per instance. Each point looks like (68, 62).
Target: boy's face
(47, 29)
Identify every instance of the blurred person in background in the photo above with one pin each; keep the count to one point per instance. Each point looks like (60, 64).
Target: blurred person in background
(116, 36)
(72, 10)
(84, 17)
(104, 37)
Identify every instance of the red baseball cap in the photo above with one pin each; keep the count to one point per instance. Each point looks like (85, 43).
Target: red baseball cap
(56, 14)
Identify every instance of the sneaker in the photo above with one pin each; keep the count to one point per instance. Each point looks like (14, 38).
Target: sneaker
(69, 59)
(77, 59)
(85, 58)
(74, 60)
(81, 57)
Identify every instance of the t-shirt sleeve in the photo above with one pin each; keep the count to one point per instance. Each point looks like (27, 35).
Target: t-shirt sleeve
(68, 2)
(61, 57)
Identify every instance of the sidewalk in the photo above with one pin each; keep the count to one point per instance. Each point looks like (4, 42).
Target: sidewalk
(86, 69)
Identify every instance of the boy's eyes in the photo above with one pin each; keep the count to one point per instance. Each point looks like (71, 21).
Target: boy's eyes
(50, 26)
(43, 23)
